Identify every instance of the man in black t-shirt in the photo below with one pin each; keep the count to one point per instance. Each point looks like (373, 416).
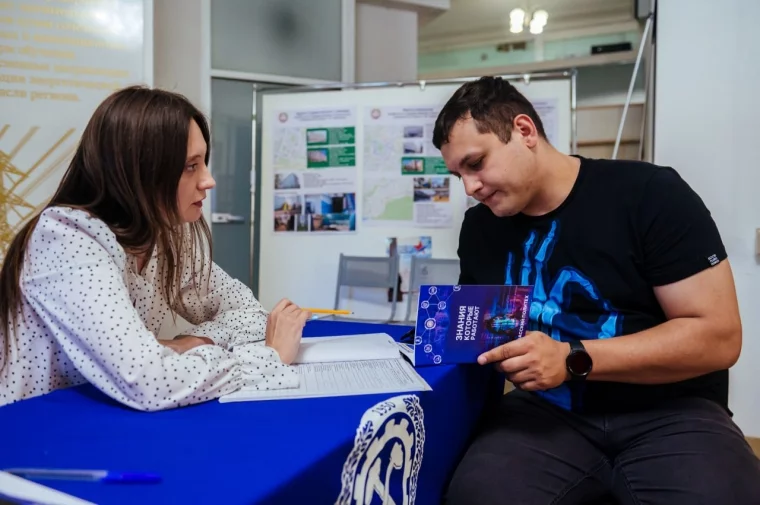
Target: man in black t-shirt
(622, 384)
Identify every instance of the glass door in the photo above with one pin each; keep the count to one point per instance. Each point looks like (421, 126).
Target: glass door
(233, 165)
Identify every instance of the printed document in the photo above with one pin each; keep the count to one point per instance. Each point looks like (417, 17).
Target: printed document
(381, 372)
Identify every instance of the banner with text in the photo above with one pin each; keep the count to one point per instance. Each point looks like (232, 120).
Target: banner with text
(58, 60)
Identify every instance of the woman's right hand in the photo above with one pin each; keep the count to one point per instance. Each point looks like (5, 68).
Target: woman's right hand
(284, 328)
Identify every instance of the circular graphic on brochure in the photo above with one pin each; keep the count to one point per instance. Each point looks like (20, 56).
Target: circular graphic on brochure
(417, 340)
(441, 305)
(430, 323)
(457, 288)
(433, 290)
(425, 304)
(428, 348)
(437, 359)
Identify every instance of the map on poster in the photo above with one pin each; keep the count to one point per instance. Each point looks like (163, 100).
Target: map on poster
(406, 182)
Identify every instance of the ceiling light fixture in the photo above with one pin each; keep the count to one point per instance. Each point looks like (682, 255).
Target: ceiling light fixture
(538, 21)
(518, 19)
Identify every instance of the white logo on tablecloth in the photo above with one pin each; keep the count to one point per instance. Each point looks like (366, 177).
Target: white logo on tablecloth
(387, 454)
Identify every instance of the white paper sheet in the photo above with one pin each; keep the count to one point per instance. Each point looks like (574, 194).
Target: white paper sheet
(28, 491)
(343, 379)
(347, 348)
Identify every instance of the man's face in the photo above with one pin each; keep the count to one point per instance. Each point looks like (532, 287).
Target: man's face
(501, 176)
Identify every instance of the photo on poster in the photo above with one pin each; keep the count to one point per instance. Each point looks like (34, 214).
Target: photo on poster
(413, 147)
(286, 180)
(317, 157)
(287, 207)
(432, 189)
(412, 166)
(414, 131)
(316, 136)
(331, 156)
(330, 212)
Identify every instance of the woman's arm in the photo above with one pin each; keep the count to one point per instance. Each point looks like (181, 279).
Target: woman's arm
(75, 286)
(224, 309)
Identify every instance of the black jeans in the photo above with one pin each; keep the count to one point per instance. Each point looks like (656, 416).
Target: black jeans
(530, 452)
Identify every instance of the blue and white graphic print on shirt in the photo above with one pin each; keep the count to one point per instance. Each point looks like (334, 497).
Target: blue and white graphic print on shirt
(552, 298)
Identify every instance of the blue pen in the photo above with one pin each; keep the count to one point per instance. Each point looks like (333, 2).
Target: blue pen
(108, 476)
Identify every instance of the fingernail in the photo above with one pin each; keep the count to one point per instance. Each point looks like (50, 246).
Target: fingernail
(481, 360)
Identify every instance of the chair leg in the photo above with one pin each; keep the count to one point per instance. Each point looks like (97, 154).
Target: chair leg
(393, 304)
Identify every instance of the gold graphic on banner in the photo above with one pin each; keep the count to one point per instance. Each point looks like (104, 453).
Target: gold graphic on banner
(18, 183)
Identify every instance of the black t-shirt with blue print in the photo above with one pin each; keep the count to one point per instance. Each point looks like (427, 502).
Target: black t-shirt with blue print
(625, 227)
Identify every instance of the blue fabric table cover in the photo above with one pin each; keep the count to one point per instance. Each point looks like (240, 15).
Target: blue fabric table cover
(264, 452)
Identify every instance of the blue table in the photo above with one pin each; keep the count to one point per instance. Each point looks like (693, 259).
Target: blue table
(239, 453)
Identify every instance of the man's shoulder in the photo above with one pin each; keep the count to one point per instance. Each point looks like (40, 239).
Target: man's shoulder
(627, 171)
(629, 180)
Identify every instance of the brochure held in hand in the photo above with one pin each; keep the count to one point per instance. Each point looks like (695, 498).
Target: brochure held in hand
(456, 324)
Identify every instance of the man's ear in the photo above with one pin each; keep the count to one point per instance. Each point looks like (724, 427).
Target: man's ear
(526, 128)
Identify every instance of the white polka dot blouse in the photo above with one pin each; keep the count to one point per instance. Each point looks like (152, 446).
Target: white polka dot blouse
(88, 315)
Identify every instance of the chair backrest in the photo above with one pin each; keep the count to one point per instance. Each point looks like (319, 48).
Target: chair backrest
(368, 272)
(430, 271)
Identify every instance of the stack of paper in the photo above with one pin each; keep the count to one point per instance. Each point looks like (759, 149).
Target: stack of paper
(344, 366)
(369, 346)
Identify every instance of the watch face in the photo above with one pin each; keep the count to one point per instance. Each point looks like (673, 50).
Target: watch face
(579, 363)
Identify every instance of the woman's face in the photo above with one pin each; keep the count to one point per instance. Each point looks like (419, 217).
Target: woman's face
(196, 179)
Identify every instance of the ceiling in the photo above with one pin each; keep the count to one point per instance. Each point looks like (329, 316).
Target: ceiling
(482, 22)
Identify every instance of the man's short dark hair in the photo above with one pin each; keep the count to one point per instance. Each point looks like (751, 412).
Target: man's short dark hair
(493, 104)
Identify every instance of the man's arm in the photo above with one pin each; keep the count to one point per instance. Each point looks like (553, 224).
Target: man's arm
(703, 334)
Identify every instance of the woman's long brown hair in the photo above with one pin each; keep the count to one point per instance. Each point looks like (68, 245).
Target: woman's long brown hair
(126, 172)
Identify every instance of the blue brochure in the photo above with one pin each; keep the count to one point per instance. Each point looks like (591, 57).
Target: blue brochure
(456, 324)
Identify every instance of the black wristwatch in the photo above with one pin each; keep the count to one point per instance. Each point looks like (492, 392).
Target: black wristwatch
(578, 362)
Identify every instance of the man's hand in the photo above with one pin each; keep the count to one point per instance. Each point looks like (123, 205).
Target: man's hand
(535, 362)
(284, 328)
(183, 343)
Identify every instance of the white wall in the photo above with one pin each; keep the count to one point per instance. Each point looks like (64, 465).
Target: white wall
(179, 48)
(182, 52)
(706, 126)
(181, 63)
(386, 44)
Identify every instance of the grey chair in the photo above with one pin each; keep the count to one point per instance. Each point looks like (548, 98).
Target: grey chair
(429, 271)
(368, 272)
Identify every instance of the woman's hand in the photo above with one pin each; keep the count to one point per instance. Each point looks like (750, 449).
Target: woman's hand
(284, 327)
(183, 343)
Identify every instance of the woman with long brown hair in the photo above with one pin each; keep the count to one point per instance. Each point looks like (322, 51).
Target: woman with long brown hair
(86, 284)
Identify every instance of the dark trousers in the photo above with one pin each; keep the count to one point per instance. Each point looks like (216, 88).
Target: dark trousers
(530, 452)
